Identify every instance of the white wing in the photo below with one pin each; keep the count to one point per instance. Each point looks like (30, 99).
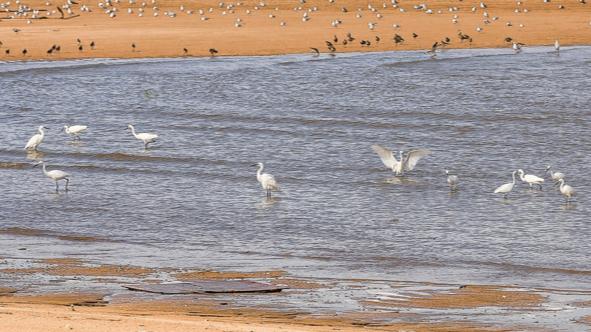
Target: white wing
(386, 155)
(507, 187)
(33, 141)
(77, 129)
(413, 157)
(268, 182)
(57, 174)
(147, 136)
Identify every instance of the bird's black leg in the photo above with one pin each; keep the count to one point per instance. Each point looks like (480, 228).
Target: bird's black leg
(57, 188)
(67, 182)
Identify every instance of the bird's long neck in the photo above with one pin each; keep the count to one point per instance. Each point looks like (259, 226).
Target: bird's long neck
(133, 131)
(41, 132)
(521, 176)
(561, 184)
(260, 171)
(513, 177)
(44, 170)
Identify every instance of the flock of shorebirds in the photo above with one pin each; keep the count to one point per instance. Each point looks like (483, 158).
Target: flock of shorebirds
(406, 162)
(113, 7)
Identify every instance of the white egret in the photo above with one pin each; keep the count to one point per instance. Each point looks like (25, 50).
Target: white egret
(507, 187)
(147, 138)
(554, 175)
(55, 175)
(406, 163)
(452, 180)
(36, 140)
(567, 191)
(75, 131)
(530, 179)
(557, 46)
(266, 180)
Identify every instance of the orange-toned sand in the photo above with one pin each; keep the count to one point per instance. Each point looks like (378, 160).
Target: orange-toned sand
(175, 317)
(471, 297)
(75, 267)
(260, 34)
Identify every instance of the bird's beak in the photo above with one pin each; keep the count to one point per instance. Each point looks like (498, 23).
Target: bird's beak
(254, 165)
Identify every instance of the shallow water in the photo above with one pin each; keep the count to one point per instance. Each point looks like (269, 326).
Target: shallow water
(192, 200)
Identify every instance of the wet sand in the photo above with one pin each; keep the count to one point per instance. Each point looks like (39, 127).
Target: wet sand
(472, 297)
(112, 308)
(535, 24)
(56, 313)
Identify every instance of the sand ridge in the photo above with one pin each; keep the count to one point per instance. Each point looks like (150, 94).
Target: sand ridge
(261, 31)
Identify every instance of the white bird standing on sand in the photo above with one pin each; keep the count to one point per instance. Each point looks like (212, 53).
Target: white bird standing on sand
(147, 138)
(406, 163)
(55, 175)
(555, 176)
(567, 191)
(266, 180)
(557, 46)
(530, 179)
(75, 130)
(36, 140)
(452, 180)
(507, 187)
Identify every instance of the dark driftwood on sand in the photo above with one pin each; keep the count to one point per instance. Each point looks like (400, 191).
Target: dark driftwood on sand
(207, 286)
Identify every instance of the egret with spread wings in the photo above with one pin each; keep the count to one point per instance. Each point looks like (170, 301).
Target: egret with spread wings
(407, 162)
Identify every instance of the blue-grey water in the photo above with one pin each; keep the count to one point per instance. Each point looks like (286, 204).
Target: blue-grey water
(192, 200)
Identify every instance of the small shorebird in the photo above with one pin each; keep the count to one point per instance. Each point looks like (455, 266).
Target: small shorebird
(506, 188)
(557, 46)
(213, 51)
(266, 180)
(36, 139)
(133, 47)
(315, 50)
(55, 175)
(567, 191)
(407, 161)
(75, 131)
(452, 181)
(147, 138)
(555, 176)
(92, 45)
(530, 179)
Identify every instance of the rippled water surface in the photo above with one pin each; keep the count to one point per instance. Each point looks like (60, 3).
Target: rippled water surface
(192, 200)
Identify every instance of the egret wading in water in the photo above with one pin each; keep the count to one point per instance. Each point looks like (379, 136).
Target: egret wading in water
(407, 161)
(567, 191)
(147, 138)
(266, 180)
(75, 131)
(452, 180)
(555, 176)
(55, 175)
(530, 179)
(507, 187)
(36, 140)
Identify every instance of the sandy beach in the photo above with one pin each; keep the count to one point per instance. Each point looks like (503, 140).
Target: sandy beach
(85, 312)
(277, 27)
